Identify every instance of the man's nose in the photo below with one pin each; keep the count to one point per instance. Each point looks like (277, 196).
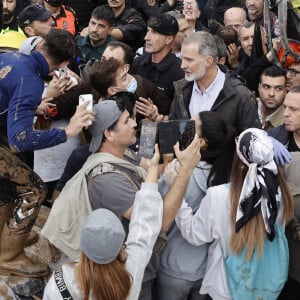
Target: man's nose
(271, 91)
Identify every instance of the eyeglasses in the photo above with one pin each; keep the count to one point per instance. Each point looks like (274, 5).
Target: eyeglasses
(192, 4)
(292, 72)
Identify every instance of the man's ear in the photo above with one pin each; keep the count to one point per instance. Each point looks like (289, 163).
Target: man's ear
(29, 31)
(111, 91)
(170, 39)
(109, 135)
(209, 60)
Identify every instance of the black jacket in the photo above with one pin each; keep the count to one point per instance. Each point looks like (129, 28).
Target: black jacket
(235, 103)
(163, 74)
(133, 27)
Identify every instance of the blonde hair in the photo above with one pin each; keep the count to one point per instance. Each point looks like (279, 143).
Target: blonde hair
(253, 233)
(104, 282)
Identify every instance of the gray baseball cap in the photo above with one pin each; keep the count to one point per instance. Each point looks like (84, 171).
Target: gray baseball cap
(106, 114)
(102, 236)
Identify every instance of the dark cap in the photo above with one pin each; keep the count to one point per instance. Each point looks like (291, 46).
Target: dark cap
(163, 24)
(33, 12)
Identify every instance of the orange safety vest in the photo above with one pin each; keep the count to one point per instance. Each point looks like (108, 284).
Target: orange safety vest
(66, 20)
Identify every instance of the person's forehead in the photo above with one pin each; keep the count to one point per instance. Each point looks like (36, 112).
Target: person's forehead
(191, 47)
(192, 1)
(11, 5)
(247, 31)
(273, 80)
(99, 21)
(11, 2)
(293, 99)
(116, 53)
(124, 116)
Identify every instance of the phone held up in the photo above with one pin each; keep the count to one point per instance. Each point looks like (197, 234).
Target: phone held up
(87, 98)
(166, 133)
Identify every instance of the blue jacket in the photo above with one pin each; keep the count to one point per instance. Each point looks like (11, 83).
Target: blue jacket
(21, 87)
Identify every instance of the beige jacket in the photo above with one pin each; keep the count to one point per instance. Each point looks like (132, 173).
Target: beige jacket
(66, 218)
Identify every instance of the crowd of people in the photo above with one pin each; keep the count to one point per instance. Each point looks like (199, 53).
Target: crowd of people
(170, 226)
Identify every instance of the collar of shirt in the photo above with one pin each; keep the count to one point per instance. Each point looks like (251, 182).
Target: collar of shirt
(273, 118)
(201, 101)
(215, 87)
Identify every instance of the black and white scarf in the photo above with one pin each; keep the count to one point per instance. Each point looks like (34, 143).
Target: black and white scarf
(260, 190)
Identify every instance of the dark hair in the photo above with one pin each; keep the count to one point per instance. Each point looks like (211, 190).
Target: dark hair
(125, 101)
(103, 12)
(222, 49)
(103, 75)
(128, 53)
(60, 45)
(220, 140)
(273, 71)
(228, 35)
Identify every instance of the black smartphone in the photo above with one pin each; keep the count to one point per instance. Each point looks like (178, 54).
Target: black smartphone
(147, 139)
(186, 133)
(170, 132)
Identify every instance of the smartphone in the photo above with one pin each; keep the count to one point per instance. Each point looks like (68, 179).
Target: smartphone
(58, 72)
(87, 98)
(167, 136)
(171, 132)
(186, 133)
(147, 139)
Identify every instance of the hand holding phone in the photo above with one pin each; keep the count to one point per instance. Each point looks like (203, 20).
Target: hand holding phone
(171, 132)
(147, 139)
(84, 99)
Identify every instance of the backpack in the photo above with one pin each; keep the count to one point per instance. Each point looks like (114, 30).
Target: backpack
(262, 277)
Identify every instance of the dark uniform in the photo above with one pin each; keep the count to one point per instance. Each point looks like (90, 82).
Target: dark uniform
(163, 74)
(133, 27)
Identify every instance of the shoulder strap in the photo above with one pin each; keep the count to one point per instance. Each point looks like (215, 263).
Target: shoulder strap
(60, 283)
(103, 168)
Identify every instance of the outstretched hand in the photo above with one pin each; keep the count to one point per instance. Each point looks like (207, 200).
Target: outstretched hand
(79, 120)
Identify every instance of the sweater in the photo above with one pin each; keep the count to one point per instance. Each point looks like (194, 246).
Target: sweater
(21, 87)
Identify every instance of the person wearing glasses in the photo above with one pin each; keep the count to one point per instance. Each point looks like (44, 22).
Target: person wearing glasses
(192, 14)
(293, 75)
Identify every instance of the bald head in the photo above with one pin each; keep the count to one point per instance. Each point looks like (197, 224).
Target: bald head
(235, 17)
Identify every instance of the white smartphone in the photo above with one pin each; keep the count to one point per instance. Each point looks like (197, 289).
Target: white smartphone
(87, 98)
(58, 72)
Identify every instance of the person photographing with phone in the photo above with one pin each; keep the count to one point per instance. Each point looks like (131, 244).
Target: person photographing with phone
(109, 166)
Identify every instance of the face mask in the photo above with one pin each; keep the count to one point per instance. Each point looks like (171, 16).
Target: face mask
(54, 3)
(132, 86)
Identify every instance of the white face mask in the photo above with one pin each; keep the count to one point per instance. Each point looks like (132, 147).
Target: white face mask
(132, 86)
